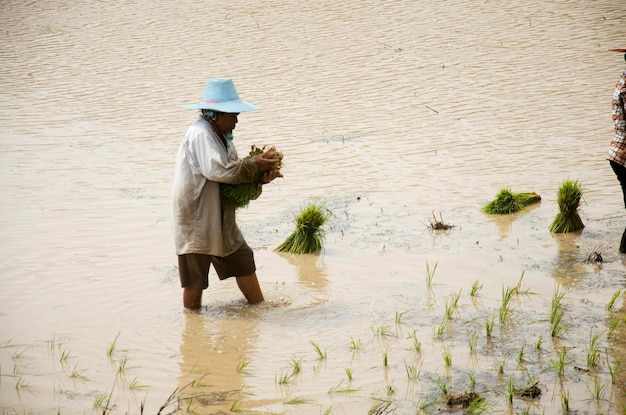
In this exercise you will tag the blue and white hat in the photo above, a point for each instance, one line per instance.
(220, 95)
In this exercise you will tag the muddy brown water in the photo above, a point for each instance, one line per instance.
(387, 112)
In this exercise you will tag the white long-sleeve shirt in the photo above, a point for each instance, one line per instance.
(202, 223)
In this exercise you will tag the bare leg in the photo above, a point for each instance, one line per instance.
(249, 286)
(192, 298)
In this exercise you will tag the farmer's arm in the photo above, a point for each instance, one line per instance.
(212, 163)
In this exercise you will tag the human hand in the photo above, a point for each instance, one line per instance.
(264, 164)
(270, 175)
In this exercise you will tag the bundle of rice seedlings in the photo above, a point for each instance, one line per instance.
(239, 195)
(309, 235)
(507, 202)
(568, 219)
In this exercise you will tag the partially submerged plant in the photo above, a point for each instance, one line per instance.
(568, 219)
(439, 225)
(309, 235)
(239, 195)
(507, 202)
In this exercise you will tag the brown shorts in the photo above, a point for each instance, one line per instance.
(194, 268)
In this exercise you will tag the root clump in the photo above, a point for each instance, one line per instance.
(464, 399)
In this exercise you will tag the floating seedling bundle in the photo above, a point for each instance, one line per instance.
(309, 235)
(507, 202)
(239, 195)
(568, 219)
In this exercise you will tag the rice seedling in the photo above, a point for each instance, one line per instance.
(559, 365)
(500, 366)
(78, 374)
(568, 219)
(348, 373)
(17, 355)
(321, 353)
(455, 299)
(556, 303)
(473, 342)
(52, 345)
(65, 356)
(21, 384)
(593, 354)
(355, 344)
(309, 235)
(612, 326)
(440, 329)
(505, 304)
(329, 410)
(507, 202)
(236, 405)
(134, 385)
(447, 357)
(417, 345)
(283, 378)
(412, 371)
(399, 317)
(538, 343)
(614, 367)
(520, 356)
(448, 310)
(441, 384)
(296, 366)
(610, 306)
(240, 195)
(101, 403)
(472, 380)
(510, 391)
(242, 365)
(489, 323)
(518, 287)
(597, 390)
(384, 330)
(297, 400)
(122, 365)
(112, 346)
(381, 407)
(556, 328)
(175, 396)
(385, 358)
(476, 287)
(340, 388)
(556, 314)
(565, 397)
(477, 407)
(430, 273)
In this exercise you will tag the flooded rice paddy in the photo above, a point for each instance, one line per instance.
(388, 113)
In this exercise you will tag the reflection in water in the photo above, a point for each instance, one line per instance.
(213, 353)
(504, 223)
(568, 266)
(311, 270)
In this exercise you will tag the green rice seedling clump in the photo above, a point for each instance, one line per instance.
(507, 202)
(239, 195)
(309, 234)
(568, 219)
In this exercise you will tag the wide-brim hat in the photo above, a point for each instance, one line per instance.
(220, 95)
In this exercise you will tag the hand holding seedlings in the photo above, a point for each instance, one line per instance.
(268, 162)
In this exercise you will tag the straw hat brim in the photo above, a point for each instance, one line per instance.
(236, 105)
